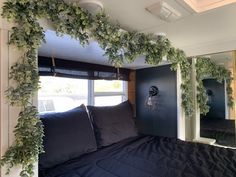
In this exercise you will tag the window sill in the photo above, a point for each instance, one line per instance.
(205, 140)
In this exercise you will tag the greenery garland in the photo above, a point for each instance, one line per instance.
(205, 67)
(120, 46)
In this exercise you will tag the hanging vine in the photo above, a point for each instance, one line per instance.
(120, 46)
(207, 68)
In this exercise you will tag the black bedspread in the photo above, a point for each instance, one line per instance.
(150, 156)
(220, 129)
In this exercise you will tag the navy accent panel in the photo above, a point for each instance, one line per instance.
(163, 120)
(217, 105)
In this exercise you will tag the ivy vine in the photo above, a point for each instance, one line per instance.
(67, 18)
(205, 67)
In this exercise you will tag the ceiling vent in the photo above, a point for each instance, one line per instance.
(164, 11)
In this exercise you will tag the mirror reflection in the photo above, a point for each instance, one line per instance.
(219, 122)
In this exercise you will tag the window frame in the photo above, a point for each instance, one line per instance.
(92, 94)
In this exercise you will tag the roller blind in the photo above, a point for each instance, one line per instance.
(74, 69)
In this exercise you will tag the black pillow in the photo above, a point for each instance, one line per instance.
(67, 135)
(112, 123)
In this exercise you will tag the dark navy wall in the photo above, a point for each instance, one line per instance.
(163, 121)
(217, 105)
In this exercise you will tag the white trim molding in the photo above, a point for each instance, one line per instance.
(181, 133)
(8, 114)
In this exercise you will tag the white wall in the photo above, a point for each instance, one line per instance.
(8, 114)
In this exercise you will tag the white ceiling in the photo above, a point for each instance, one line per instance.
(70, 49)
(196, 33)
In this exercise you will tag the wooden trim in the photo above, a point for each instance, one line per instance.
(233, 110)
(132, 89)
(234, 81)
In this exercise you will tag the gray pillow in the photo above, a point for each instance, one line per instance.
(67, 135)
(112, 123)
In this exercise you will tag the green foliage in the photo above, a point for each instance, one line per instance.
(207, 68)
(25, 75)
(28, 131)
(178, 57)
(69, 19)
(119, 46)
(28, 143)
(110, 39)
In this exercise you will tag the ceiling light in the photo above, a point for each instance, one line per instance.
(92, 6)
(164, 11)
(161, 34)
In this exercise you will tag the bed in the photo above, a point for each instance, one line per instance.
(117, 150)
(220, 129)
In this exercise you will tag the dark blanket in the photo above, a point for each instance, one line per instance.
(150, 156)
(218, 125)
(220, 129)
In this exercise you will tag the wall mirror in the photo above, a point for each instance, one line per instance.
(219, 123)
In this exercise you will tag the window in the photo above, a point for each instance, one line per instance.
(58, 94)
(109, 92)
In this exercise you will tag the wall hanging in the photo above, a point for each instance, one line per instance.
(152, 99)
(209, 96)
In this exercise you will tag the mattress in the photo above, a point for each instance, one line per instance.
(150, 156)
